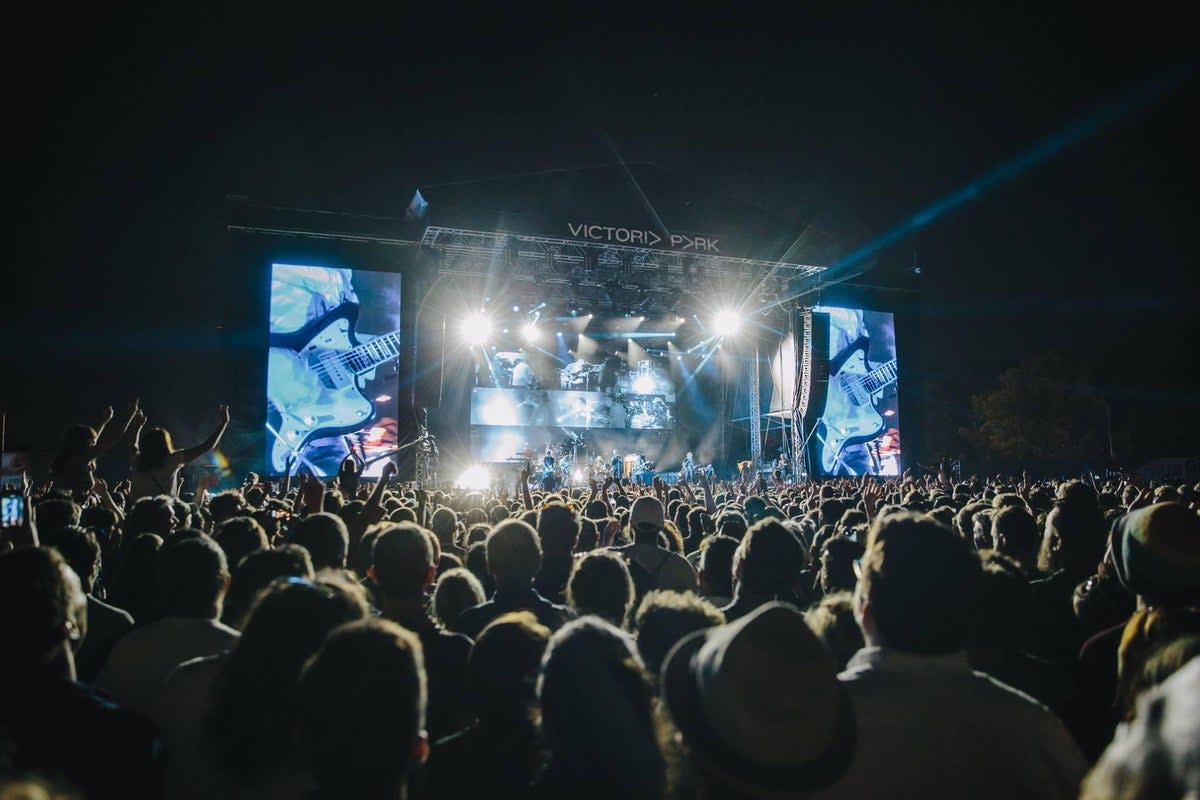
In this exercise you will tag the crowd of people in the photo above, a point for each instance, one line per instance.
(918, 637)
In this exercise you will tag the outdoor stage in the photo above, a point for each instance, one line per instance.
(501, 345)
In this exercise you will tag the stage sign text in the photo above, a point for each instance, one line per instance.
(644, 238)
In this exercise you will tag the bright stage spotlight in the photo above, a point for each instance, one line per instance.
(530, 332)
(476, 329)
(499, 410)
(474, 478)
(726, 323)
(643, 384)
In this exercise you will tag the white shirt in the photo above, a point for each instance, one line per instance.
(140, 662)
(668, 570)
(929, 726)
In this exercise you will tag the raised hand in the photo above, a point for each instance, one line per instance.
(222, 415)
(872, 492)
(389, 471)
(1137, 501)
(348, 476)
(1023, 486)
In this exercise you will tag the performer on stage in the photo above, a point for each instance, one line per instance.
(689, 467)
(574, 375)
(640, 469)
(550, 479)
(522, 375)
(618, 465)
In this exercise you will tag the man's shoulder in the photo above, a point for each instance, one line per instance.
(679, 562)
(200, 632)
(169, 634)
(112, 615)
(474, 612)
(471, 620)
(448, 642)
(135, 639)
(544, 602)
(1002, 694)
(199, 670)
(552, 614)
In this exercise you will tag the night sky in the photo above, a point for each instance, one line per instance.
(129, 128)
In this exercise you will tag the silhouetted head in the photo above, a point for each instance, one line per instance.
(154, 446)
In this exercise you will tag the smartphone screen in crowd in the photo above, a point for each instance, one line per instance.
(13, 510)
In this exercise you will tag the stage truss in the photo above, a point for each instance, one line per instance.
(621, 278)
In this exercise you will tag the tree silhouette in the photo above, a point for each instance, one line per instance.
(1042, 411)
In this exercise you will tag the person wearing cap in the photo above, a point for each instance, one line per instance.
(1155, 554)
(665, 569)
(759, 706)
(929, 726)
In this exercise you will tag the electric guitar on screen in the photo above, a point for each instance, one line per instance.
(851, 408)
(315, 380)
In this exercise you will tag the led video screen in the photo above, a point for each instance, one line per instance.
(858, 432)
(332, 368)
(611, 394)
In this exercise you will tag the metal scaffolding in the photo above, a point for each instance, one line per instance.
(597, 275)
(755, 412)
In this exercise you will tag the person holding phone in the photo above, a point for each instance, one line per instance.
(16, 517)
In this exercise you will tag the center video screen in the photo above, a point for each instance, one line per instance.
(858, 432)
(332, 368)
(622, 388)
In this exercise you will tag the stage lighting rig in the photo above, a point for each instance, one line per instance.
(476, 329)
(726, 323)
(474, 478)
